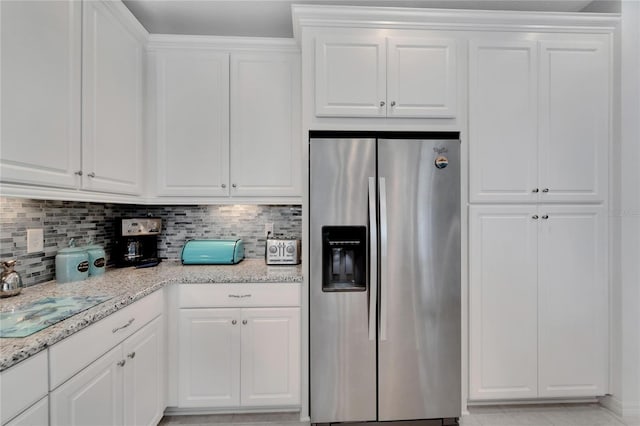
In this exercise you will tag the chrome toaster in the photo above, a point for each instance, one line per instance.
(282, 251)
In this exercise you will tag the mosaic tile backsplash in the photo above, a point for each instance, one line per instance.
(62, 220)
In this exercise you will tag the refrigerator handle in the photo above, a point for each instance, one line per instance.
(383, 259)
(373, 259)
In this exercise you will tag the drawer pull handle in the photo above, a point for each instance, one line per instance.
(122, 363)
(244, 322)
(124, 326)
(131, 355)
(239, 296)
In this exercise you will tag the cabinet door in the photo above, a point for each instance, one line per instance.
(265, 115)
(502, 121)
(351, 75)
(93, 396)
(192, 123)
(40, 45)
(36, 415)
(270, 356)
(573, 298)
(574, 121)
(144, 376)
(209, 358)
(111, 101)
(502, 302)
(421, 77)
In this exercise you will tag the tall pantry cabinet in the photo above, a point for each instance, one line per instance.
(539, 125)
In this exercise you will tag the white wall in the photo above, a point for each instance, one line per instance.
(625, 362)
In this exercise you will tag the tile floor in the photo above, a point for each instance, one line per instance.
(502, 415)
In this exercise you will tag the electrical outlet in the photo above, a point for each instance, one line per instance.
(35, 240)
(268, 228)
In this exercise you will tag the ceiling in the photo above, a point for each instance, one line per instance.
(272, 18)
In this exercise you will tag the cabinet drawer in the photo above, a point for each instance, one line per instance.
(72, 354)
(22, 385)
(238, 295)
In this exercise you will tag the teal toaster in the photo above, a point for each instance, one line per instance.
(212, 252)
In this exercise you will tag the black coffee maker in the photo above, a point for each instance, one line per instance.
(137, 241)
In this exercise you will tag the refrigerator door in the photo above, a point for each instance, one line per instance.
(342, 351)
(419, 339)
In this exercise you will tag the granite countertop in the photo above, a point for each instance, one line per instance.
(126, 285)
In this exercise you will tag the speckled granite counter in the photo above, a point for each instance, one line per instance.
(126, 286)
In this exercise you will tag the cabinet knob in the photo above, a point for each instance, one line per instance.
(78, 173)
(546, 216)
(234, 322)
(545, 190)
(92, 175)
(535, 190)
(393, 103)
(381, 103)
(233, 185)
(131, 355)
(224, 185)
(535, 216)
(244, 322)
(122, 363)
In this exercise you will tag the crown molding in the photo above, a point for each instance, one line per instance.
(126, 17)
(202, 42)
(447, 19)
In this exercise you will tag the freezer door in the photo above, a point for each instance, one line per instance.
(419, 347)
(342, 353)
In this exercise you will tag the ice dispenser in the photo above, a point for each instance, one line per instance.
(344, 258)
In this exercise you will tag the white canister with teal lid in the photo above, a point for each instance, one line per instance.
(72, 264)
(97, 259)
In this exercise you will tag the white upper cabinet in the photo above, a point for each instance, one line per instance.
(539, 119)
(351, 76)
(421, 77)
(574, 120)
(362, 74)
(41, 65)
(502, 120)
(225, 121)
(265, 143)
(51, 52)
(192, 123)
(111, 101)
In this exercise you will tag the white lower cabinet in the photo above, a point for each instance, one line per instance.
(238, 346)
(209, 354)
(123, 387)
(17, 401)
(270, 357)
(232, 357)
(538, 302)
(36, 415)
(93, 396)
(144, 375)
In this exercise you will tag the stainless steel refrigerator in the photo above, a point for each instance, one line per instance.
(384, 281)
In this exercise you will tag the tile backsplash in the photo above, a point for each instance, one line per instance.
(62, 220)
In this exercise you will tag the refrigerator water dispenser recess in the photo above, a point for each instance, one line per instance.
(344, 258)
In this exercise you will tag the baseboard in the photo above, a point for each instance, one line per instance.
(620, 408)
(589, 400)
(175, 411)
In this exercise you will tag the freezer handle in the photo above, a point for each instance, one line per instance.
(383, 259)
(373, 259)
